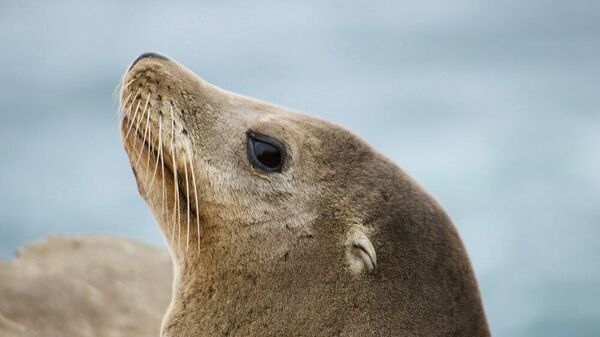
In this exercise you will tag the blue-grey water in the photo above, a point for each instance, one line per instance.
(494, 107)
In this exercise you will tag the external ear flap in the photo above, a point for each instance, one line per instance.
(359, 251)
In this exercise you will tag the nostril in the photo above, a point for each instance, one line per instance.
(148, 55)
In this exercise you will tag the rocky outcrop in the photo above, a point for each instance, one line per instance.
(84, 286)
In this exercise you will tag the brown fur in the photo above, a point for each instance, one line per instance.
(270, 256)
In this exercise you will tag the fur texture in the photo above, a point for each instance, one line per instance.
(285, 253)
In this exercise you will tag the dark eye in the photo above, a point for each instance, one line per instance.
(265, 153)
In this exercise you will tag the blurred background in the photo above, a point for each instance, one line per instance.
(493, 107)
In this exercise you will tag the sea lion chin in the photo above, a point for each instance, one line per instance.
(282, 224)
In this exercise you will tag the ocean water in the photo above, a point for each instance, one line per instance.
(493, 107)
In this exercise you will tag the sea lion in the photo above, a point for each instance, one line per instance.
(282, 224)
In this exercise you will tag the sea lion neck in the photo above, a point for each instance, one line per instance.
(235, 243)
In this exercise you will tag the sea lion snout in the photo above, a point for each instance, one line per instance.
(148, 55)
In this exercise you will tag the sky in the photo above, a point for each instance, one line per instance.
(493, 107)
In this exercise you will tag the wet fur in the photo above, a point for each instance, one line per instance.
(263, 254)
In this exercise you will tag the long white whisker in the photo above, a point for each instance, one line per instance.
(128, 83)
(139, 122)
(126, 109)
(187, 187)
(121, 86)
(162, 163)
(118, 88)
(149, 142)
(131, 123)
(157, 158)
(124, 105)
(195, 197)
(132, 96)
(147, 129)
(176, 211)
(146, 132)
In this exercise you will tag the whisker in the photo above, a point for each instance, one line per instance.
(150, 142)
(187, 188)
(128, 83)
(125, 108)
(121, 86)
(176, 210)
(143, 143)
(195, 197)
(162, 164)
(137, 125)
(146, 132)
(157, 158)
(132, 96)
(124, 102)
(137, 108)
(118, 89)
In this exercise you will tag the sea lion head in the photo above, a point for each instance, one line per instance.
(280, 223)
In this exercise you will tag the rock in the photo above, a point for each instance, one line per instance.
(85, 286)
